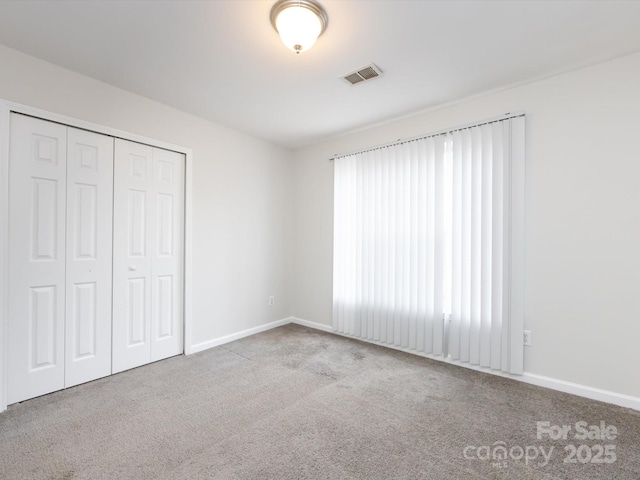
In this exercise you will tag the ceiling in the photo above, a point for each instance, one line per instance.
(221, 60)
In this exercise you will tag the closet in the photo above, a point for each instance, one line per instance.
(96, 256)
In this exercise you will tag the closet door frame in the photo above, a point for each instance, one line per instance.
(6, 108)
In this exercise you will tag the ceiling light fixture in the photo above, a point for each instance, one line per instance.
(299, 23)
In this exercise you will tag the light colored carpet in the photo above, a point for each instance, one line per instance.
(294, 403)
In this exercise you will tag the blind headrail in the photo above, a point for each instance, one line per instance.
(401, 141)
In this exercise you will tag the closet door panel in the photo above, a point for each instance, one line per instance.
(168, 255)
(37, 170)
(89, 256)
(133, 227)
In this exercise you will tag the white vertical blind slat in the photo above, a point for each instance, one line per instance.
(359, 217)
(386, 234)
(465, 315)
(398, 311)
(438, 281)
(421, 174)
(414, 293)
(377, 249)
(476, 245)
(405, 228)
(456, 247)
(485, 242)
(506, 239)
(369, 236)
(497, 244)
(430, 242)
(338, 270)
(391, 307)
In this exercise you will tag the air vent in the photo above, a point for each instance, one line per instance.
(354, 78)
(365, 73)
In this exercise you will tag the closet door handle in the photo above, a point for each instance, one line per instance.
(133, 268)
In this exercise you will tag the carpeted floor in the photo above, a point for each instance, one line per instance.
(295, 403)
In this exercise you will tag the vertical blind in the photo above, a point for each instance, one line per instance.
(428, 244)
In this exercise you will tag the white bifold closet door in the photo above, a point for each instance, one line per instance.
(148, 265)
(89, 256)
(60, 218)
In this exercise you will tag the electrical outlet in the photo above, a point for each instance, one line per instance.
(272, 301)
(526, 338)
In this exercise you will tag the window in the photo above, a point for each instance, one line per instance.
(428, 244)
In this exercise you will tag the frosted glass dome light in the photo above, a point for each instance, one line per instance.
(299, 23)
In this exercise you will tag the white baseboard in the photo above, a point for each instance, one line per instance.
(585, 391)
(199, 347)
(606, 396)
(315, 325)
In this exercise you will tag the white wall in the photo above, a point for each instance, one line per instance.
(241, 191)
(582, 224)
